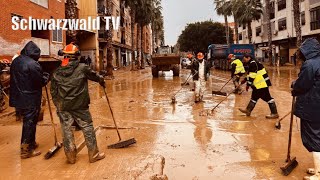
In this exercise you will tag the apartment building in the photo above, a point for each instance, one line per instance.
(12, 41)
(282, 27)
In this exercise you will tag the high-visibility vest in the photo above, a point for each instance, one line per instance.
(260, 78)
(239, 66)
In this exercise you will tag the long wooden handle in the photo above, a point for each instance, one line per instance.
(225, 84)
(51, 117)
(290, 130)
(115, 124)
(224, 99)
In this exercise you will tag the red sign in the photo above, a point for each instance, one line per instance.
(242, 51)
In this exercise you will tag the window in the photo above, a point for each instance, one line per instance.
(240, 36)
(43, 3)
(244, 26)
(281, 4)
(315, 18)
(57, 36)
(258, 31)
(272, 10)
(303, 18)
(282, 24)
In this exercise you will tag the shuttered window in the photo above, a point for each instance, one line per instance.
(43, 3)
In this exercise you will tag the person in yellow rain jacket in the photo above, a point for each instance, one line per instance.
(237, 70)
(259, 81)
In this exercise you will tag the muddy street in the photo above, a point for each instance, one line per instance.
(173, 140)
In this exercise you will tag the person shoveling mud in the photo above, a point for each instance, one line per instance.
(69, 90)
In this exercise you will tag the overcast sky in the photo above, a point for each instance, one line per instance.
(178, 13)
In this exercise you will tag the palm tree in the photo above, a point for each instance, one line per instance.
(143, 18)
(156, 22)
(236, 12)
(251, 10)
(297, 25)
(268, 11)
(223, 7)
(71, 13)
(109, 41)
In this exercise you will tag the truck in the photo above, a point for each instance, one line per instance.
(165, 60)
(218, 53)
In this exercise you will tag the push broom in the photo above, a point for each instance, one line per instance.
(220, 91)
(57, 145)
(291, 163)
(121, 143)
(173, 98)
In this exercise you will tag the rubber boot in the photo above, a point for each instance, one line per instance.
(249, 108)
(197, 99)
(71, 156)
(95, 156)
(28, 152)
(316, 161)
(273, 109)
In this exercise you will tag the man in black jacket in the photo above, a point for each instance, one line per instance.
(259, 81)
(307, 91)
(26, 82)
(200, 70)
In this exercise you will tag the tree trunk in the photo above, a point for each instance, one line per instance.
(139, 45)
(143, 47)
(236, 30)
(153, 38)
(109, 42)
(133, 57)
(71, 13)
(249, 32)
(297, 25)
(268, 11)
(227, 30)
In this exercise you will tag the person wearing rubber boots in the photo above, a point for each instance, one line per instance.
(237, 70)
(306, 89)
(26, 82)
(70, 94)
(200, 71)
(259, 81)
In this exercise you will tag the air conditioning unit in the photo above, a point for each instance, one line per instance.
(275, 32)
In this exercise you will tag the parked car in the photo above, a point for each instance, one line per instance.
(185, 63)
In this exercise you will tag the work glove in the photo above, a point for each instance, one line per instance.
(46, 77)
(102, 82)
(247, 88)
(292, 84)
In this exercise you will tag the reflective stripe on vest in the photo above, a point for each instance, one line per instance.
(239, 66)
(259, 81)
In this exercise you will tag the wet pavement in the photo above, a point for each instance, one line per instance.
(172, 140)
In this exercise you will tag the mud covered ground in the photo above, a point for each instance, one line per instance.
(173, 141)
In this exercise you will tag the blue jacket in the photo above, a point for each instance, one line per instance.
(27, 78)
(307, 86)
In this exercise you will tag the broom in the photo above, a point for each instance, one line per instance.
(120, 144)
(57, 145)
(291, 163)
(278, 123)
(219, 92)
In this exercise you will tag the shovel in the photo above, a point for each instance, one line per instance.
(291, 163)
(219, 92)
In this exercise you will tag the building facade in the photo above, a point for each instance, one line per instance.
(12, 41)
(283, 30)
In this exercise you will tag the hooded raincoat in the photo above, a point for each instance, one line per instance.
(307, 90)
(27, 78)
